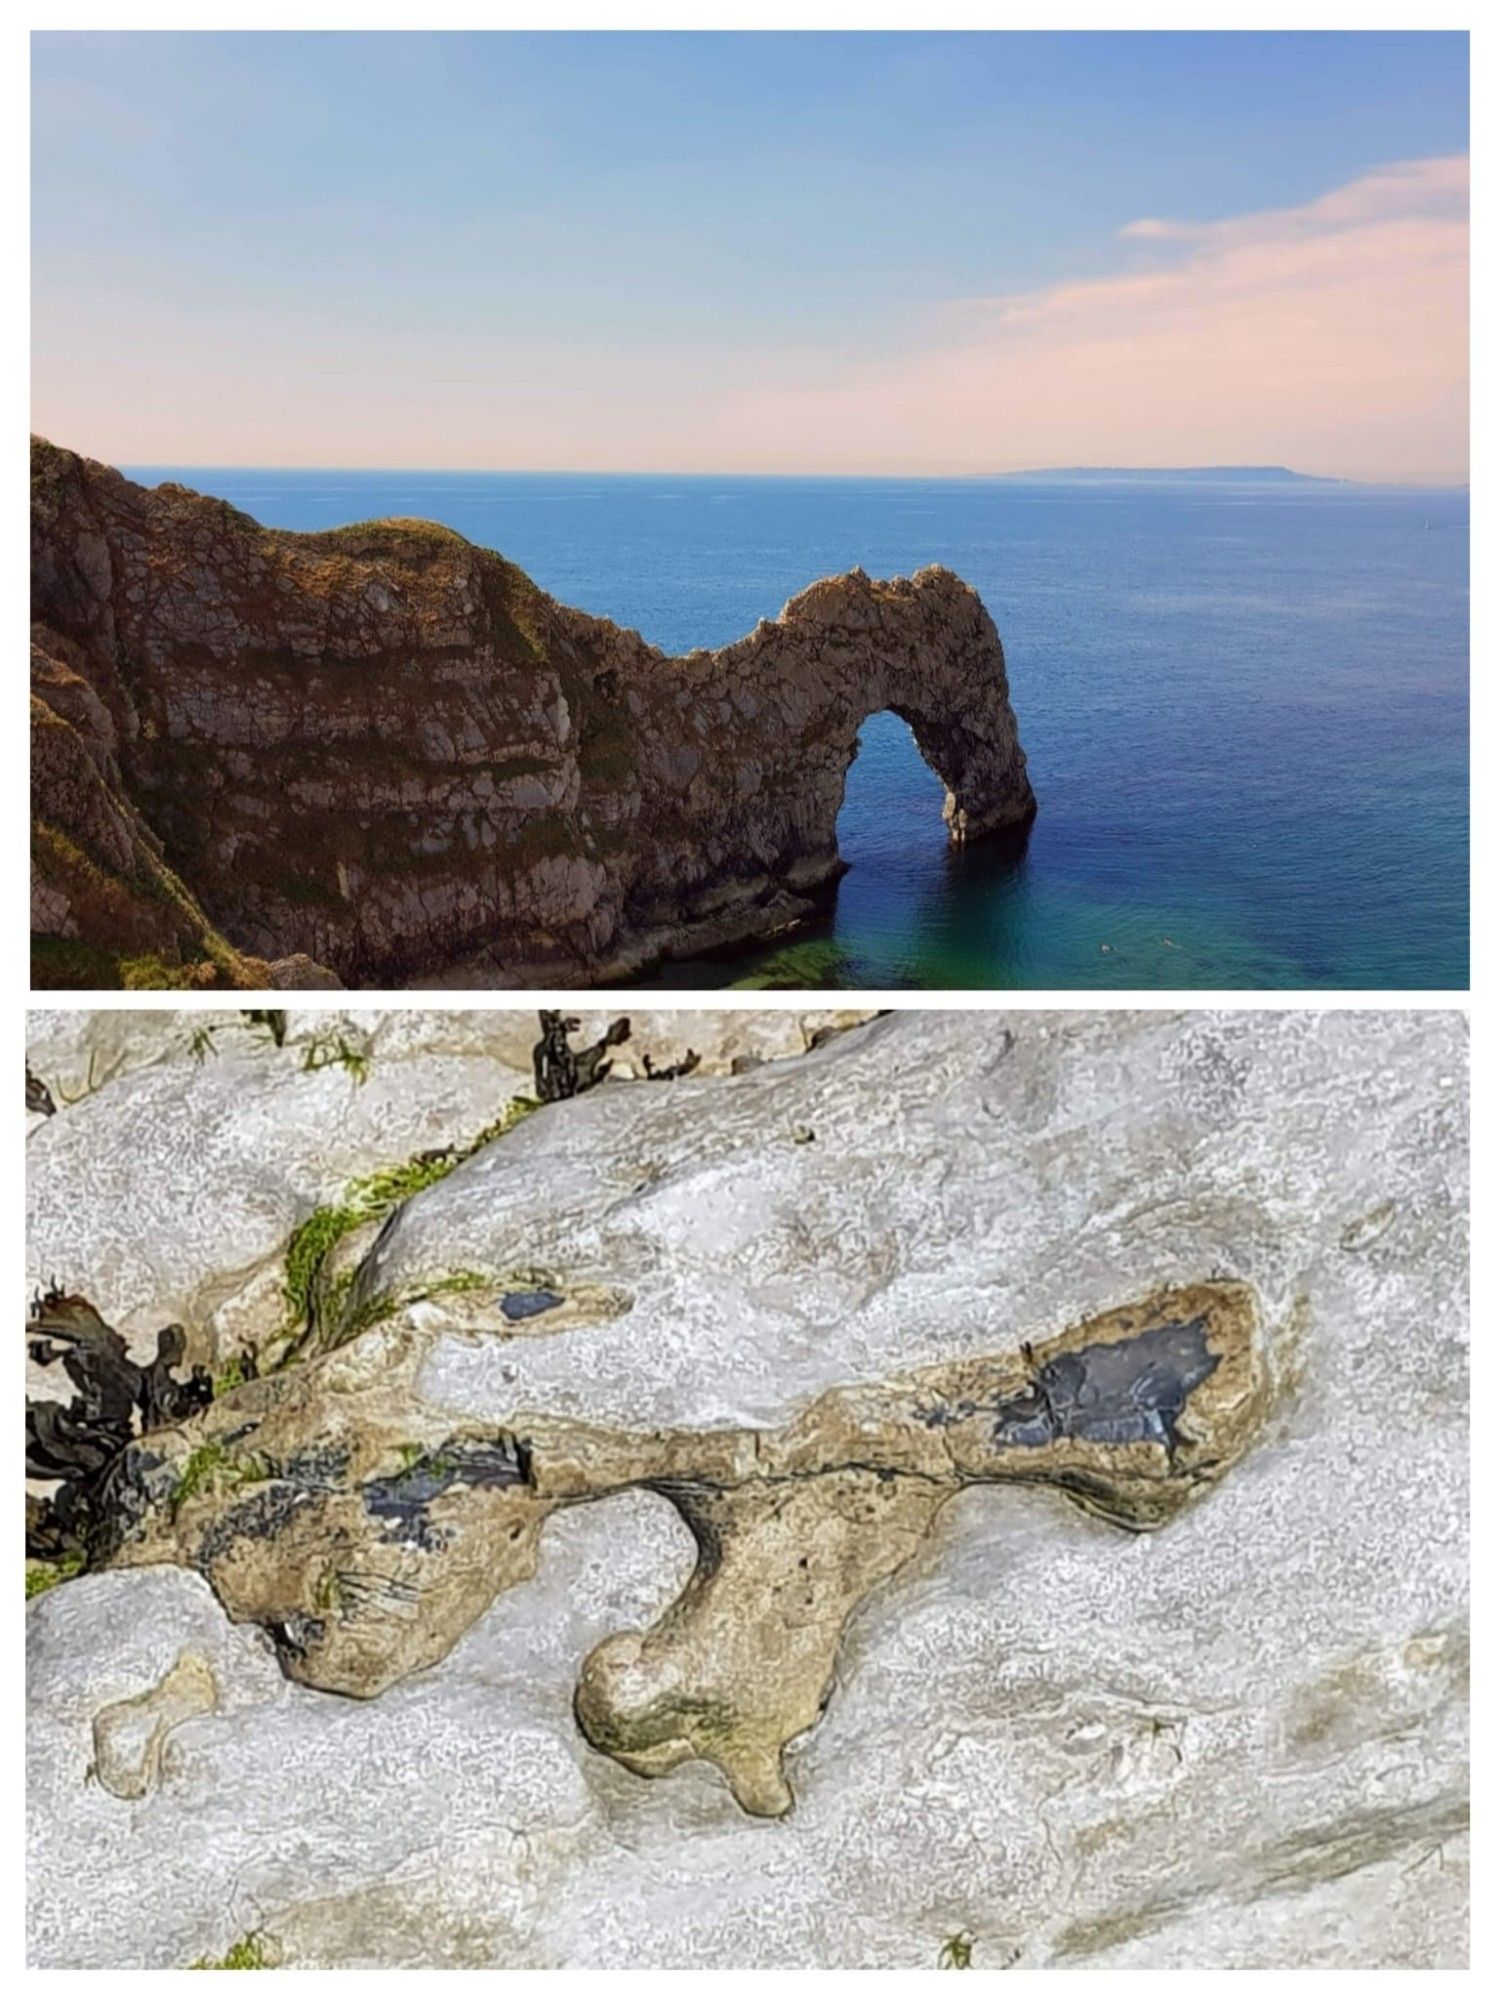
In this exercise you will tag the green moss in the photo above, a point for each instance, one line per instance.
(58, 857)
(358, 535)
(42, 1576)
(331, 1050)
(246, 1954)
(148, 971)
(540, 837)
(317, 1301)
(328, 1592)
(957, 1953)
(231, 1376)
(201, 1465)
(387, 1187)
(456, 1281)
(308, 1251)
(212, 1465)
(370, 1312)
(385, 1304)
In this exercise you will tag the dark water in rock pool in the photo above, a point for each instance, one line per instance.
(1245, 708)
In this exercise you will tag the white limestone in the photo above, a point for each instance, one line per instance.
(1240, 1740)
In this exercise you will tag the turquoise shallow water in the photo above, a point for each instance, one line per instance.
(1245, 708)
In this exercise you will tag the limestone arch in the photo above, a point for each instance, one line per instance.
(976, 774)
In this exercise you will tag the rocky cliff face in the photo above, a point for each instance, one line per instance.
(386, 749)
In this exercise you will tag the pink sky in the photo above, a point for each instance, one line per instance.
(1331, 337)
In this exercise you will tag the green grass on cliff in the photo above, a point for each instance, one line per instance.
(355, 535)
(165, 940)
(58, 964)
(607, 749)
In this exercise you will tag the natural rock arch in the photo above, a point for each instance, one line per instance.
(386, 749)
(943, 767)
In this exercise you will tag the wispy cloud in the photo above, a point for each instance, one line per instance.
(1332, 336)
(1438, 188)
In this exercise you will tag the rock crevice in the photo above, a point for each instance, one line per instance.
(386, 750)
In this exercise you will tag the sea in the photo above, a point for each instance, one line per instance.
(1244, 701)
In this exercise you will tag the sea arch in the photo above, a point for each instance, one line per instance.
(389, 751)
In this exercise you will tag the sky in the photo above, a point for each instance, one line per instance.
(942, 254)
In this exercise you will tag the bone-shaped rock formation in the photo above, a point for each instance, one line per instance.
(130, 1736)
(366, 1530)
(385, 750)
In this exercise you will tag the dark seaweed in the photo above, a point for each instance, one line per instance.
(114, 1400)
(295, 1638)
(271, 1018)
(1114, 1392)
(672, 1070)
(562, 1071)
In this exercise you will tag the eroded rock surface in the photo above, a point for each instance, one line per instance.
(188, 1147)
(330, 1505)
(131, 1736)
(1238, 1739)
(386, 749)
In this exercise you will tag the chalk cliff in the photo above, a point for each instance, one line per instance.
(387, 750)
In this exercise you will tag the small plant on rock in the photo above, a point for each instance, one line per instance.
(957, 1953)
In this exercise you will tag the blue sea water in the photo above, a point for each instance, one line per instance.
(1244, 705)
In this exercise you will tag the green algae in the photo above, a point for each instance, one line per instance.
(318, 1308)
(334, 1051)
(43, 1576)
(212, 1464)
(246, 1954)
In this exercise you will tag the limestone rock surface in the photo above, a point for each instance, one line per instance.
(1237, 1740)
(388, 750)
(187, 1147)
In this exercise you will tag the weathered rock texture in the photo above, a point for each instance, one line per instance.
(386, 750)
(366, 1533)
(188, 1147)
(801, 1302)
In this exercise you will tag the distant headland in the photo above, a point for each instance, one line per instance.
(1180, 475)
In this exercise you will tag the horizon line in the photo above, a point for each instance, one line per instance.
(1098, 473)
